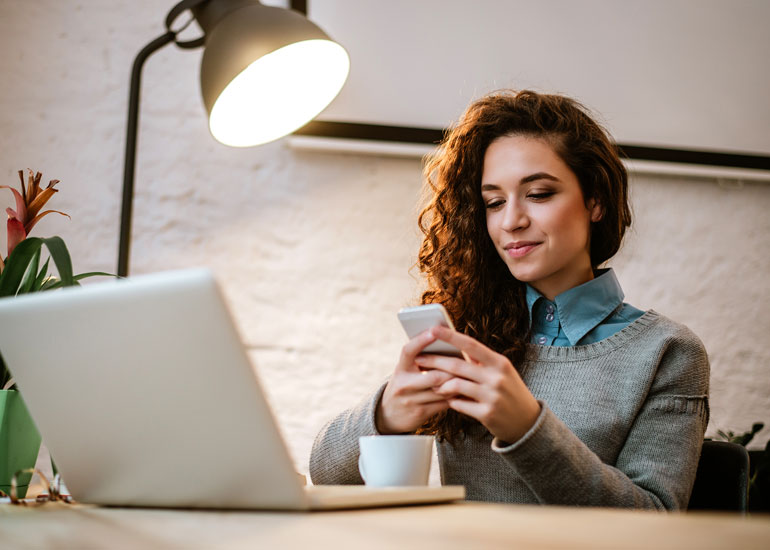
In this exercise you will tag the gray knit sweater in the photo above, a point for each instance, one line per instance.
(622, 424)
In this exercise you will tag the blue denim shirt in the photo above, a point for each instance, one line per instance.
(582, 315)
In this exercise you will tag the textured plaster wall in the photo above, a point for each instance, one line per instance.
(314, 250)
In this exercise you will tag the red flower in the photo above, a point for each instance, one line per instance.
(28, 205)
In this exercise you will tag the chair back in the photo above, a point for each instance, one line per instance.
(722, 481)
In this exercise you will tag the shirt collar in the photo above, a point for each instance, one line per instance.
(584, 307)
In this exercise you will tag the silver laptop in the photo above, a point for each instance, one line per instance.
(145, 396)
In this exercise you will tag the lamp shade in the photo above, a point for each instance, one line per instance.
(266, 72)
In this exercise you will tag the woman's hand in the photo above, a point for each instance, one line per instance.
(486, 388)
(409, 400)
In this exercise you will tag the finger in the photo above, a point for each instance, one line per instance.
(412, 349)
(459, 387)
(408, 383)
(431, 378)
(424, 397)
(475, 349)
(451, 365)
(466, 406)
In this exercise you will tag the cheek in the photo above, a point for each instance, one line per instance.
(571, 223)
(491, 226)
(578, 224)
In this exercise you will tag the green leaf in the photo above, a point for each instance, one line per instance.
(746, 438)
(16, 265)
(28, 282)
(54, 283)
(21, 268)
(51, 283)
(92, 274)
(41, 277)
(61, 258)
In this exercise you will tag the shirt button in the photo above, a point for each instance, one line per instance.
(542, 340)
(549, 308)
(549, 317)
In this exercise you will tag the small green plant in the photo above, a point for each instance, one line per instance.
(741, 439)
(20, 271)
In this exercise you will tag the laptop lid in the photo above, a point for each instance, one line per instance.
(145, 396)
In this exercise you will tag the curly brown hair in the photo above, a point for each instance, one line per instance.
(463, 270)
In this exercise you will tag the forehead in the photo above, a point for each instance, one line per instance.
(519, 156)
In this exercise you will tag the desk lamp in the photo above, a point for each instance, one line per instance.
(265, 72)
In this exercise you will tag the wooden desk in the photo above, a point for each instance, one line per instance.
(466, 526)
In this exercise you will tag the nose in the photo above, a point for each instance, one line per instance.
(514, 216)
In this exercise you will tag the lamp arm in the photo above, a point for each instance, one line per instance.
(133, 123)
(130, 158)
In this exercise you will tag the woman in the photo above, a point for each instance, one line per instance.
(570, 396)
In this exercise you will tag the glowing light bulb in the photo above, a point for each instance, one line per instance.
(279, 92)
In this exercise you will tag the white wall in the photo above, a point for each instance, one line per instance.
(695, 65)
(314, 249)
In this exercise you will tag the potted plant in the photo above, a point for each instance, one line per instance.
(21, 272)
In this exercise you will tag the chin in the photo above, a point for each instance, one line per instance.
(523, 276)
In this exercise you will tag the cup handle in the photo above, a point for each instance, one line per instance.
(361, 469)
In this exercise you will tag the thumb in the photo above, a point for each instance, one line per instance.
(412, 349)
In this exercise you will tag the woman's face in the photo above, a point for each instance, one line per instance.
(537, 217)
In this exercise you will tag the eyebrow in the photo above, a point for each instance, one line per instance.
(528, 179)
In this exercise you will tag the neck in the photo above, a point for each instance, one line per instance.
(555, 285)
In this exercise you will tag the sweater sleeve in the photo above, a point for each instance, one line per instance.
(657, 463)
(334, 456)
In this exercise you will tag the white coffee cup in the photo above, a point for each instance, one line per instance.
(395, 460)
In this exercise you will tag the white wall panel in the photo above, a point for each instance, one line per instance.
(688, 74)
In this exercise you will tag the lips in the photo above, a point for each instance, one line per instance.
(520, 248)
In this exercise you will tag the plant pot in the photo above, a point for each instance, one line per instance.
(19, 441)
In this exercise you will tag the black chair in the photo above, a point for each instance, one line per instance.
(722, 481)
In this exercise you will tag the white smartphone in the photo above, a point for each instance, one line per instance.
(420, 318)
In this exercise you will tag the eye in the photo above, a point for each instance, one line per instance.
(494, 204)
(539, 196)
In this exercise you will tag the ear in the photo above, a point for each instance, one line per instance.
(596, 209)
